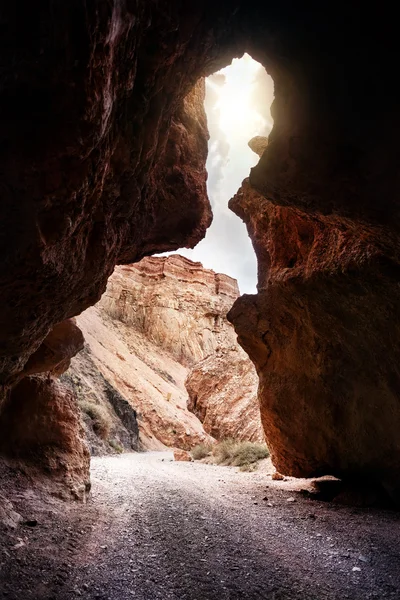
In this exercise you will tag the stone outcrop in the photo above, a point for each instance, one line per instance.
(55, 352)
(222, 393)
(175, 303)
(156, 319)
(40, 428)
(103, 163)
(258, 144)
(319, 339)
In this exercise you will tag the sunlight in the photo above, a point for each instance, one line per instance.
(236, 89)
(237, 103)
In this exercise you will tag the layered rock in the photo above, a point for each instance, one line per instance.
(318, 333)
(150, 380)
(223, 395)
(102, 164)
(175, 303)
(156, 319)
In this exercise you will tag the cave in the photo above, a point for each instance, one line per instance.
(103, 152)
(97, 129)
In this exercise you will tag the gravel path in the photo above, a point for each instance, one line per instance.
(158, 529)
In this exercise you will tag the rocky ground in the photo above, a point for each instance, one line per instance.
(155, 528)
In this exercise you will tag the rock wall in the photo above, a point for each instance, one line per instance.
(222, 393)
(156, 319)
(103, 163)
(318, 333)
(41, 433)
(176, 303)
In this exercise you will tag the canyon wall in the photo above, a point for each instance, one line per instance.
(159, 322)
(103, 147)
(222, 393)
(321, 341)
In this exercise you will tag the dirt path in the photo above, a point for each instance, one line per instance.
(157, 529)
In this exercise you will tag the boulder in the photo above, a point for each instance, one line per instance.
(182, 455)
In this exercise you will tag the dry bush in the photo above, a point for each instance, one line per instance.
(239, 454)
(101, 420)
(116, 446)
(200, 451)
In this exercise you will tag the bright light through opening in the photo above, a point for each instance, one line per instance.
(238, 101)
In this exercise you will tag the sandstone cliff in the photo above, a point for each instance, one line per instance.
(223, 394)
(103, 149)
(309, 331)
(157, 319)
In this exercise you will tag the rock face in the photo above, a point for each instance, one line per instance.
(176, 303)
(258, 144)
(103, 151)
(156, 319)
(223, 395)
(40, 427)
(318, 337)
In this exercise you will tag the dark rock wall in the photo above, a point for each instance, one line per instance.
(100, 164)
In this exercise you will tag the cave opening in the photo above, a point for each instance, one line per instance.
(162, 367)
(238, 107)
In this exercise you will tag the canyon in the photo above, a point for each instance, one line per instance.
(159, 332)
(103, 147)
(103, 150)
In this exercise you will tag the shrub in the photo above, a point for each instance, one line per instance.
(239, 454)
(101, 420)
(222, 451)
(200, 451)
(249, 467)
(116, 446)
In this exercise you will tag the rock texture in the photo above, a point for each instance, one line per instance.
(109, 420)
(176, 303)
(157, 319)
(102, 162)
(258, 144)
(223, 395)
(317, 332)
(40, 428)
(115, 164)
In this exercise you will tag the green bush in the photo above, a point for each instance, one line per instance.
(101, 420)
(200, 451)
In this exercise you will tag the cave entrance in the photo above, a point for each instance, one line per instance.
(238, 101)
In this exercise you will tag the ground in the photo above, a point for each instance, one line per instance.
(159, 529)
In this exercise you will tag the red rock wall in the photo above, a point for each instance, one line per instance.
(92, 112)
(322, 334)
(222, 393)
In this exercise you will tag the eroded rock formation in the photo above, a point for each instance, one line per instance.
(223, 395)
(40, 428)
(103, 163)
(157, 319)
(176, 303)
(317, 332)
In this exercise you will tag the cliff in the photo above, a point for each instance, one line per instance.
(158, 320)
(103, 150)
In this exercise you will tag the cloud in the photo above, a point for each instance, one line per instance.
(237, 103)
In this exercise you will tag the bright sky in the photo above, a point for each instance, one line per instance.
(238, 101)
